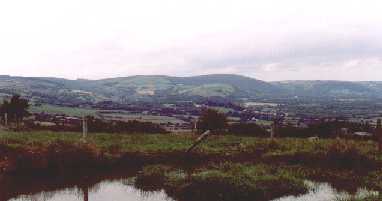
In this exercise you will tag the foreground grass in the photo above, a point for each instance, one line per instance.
(345, 163)
(227, 145)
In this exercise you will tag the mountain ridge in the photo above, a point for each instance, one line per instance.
(163, 87)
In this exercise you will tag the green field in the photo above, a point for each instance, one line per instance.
(70, 111)
(143, 118)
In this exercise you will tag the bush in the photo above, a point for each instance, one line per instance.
(152, 177)
(346, 155)
(240, 183)
(222, 182)
(247, 129)
(212, 120)
(374, 180)
(62, 154)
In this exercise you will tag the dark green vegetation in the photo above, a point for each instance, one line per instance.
(325, 130)
(224, 167)
(98, 125)
(15, 109)
(226, 181)
(166, 88)
(211, 120)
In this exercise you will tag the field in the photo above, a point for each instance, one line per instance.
(111, 115)
(70, 111)
(142, 118)
(230, 163)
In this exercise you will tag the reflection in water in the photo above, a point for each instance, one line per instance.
(325, 192)
(117, 190)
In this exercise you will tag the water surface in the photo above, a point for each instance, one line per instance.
(118, 188)
(325, 192)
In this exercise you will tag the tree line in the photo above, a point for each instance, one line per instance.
(14, 110)
(217, 123)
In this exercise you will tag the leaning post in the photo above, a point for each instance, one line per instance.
(200, 139)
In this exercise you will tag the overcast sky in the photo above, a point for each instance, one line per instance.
(267, 39)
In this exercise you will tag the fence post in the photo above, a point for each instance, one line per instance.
(273, 129)
(6, 119)
(378, 133)
(84, 127)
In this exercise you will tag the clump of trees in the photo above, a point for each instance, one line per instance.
(247, 129)
(14, 110)
(211, 120)
(98, 125)
(323, 130)
(216, 122)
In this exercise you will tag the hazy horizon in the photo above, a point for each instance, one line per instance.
(192, 76)
(267, 40)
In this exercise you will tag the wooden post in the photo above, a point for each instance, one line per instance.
(199, 140)
(380, 140)
(273, 129)
(378, 133)
(84, 127)
(85, 191)
(6, 119)
(86, 194)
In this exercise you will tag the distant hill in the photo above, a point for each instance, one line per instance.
(157, 88)
(333, 89)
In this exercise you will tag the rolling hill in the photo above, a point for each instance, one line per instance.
(155, 88)
(331, 89)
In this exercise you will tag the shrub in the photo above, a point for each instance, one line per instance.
(240, 184)
(346, 155)
(247, 129)
(233, 182)
(152, 177)
(374, 180)
(66, 155)
(211, 120)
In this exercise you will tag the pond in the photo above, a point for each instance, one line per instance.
(319, 191)
(121, 188)
(118, 190)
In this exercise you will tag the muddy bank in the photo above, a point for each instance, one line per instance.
(61, 157)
